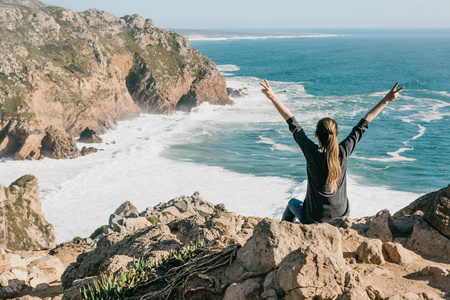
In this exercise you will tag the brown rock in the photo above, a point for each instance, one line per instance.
(31, 148)
(88, 150)
(250, 289)
(371, 252)
(397, 254)
(26, 227)
(58, 144)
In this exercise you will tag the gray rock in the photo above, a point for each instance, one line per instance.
(380, 226)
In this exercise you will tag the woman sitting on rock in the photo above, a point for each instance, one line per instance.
(326, 164)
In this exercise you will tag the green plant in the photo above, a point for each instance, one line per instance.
(152, 219)
(202, 213)
(119, 286)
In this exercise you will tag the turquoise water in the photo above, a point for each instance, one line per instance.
(406, 147)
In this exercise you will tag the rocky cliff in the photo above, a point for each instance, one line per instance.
(77, 70)
(22, 223)
(188, 248)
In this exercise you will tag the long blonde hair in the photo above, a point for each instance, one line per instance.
(327, 133)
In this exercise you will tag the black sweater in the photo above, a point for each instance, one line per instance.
(320, 204)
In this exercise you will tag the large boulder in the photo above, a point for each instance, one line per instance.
(435, 207)
(428, 242)
(23, 223)
(295, 261)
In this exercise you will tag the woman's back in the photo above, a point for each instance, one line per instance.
(321, 204)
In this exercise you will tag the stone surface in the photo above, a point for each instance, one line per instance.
(89, 136)
(58, 144)
(435, 207)
(371, 251)
(26, 227)
(428, 242)
(397, 254)
(380, 226)
(88, 150)
(250, 289)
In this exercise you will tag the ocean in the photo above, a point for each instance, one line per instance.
(244, 155)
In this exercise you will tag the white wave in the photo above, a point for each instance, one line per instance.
(228, 68)
(199, 37)
(394, 156)
(276, 146)
(421, 132)
(442, 93)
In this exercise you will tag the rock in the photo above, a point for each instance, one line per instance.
(58, 144)
(434, 271)
(39, 279)
(89, 136)
(371, 252)
(115, 264)
(429, 242)
(73, 293)
(380, 226)
(31, 148)
(9, 284)
(248, 290)
(435, 207)
(88, 150)
(10, 261)
(404, 226)
(413, 296)
(26, 227)
(437, 276)
(126, 209)
(178, 208)
(437, 213)
(236, 93)
(150, 243)
(397, 254)
(51, 265)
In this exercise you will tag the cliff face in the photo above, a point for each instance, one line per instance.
(77, 70)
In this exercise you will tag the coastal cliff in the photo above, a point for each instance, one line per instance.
(83, 70)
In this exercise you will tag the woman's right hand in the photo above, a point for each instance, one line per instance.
(267, 90)
(393, 94)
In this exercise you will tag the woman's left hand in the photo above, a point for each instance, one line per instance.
(267, 90)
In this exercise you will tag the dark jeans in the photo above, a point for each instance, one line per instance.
(293, 210)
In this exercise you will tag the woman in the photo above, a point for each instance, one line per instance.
(326, 164)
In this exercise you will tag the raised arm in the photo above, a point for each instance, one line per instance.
(283, 110)
(391, 96)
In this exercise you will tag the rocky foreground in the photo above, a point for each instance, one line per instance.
(190, 248)
(62, 72)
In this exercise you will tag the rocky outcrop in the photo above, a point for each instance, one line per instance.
(269, 259)
(23, 226)
(58, 144)
(35, 270)
(77, 70)
(89, 136)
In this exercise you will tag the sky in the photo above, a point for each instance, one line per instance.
(259, 14)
